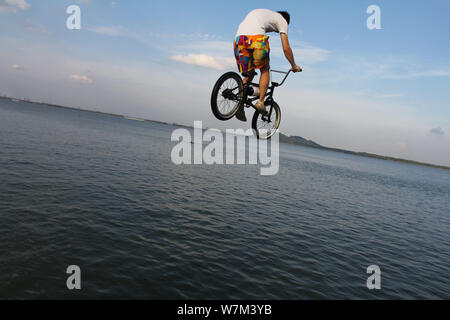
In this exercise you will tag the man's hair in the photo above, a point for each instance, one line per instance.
(285, 15)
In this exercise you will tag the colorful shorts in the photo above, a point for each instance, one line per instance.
(251, 52)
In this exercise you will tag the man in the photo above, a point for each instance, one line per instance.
(251, 48)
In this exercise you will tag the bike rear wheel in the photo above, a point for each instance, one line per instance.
(226, 97)
(265, 126)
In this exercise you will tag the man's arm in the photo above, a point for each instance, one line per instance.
(288, 52)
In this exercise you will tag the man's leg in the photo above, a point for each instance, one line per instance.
(264, 82)
(240, 115)
(248, 79)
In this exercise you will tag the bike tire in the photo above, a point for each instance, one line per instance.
(277, 120)
(215, 96)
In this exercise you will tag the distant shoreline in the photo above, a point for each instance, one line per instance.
(361, 154)
(292, 140)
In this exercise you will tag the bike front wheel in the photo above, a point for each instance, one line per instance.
(226, 97)
(265, 126)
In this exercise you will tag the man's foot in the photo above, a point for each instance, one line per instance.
(260, 107)
(240, 115)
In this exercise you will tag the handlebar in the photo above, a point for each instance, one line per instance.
(284, 79)
(284, 72)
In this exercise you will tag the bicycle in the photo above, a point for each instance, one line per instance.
(230, 92)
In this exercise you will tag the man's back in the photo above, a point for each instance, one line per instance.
(252, 50)
(261, 21)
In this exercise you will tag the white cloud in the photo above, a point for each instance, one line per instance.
(13, 5)
(308, 54)
(81, 78)
(389, 95)
(358, 69)
(35, 27)
(113, 31)
(421, 74)
(16, 67)
(204, 60)
(304, 53)
(433, 73)
(209, 46)
(210, 54)
(437, 131)
(180, 36)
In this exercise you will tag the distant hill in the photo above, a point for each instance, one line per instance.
(299, 141)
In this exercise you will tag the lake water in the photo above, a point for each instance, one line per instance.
(101, 192)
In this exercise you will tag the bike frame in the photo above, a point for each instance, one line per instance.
(269, 94)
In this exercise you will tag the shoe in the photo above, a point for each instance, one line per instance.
(240, 115)
(260, 107)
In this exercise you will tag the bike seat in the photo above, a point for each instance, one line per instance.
(249, 74)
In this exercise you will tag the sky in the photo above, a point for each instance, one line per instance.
(383, 91)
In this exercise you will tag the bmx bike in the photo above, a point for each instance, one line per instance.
(230, 93)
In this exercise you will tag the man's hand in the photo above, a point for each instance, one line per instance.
(296, 69)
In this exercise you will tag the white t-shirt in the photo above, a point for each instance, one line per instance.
(261, 21)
